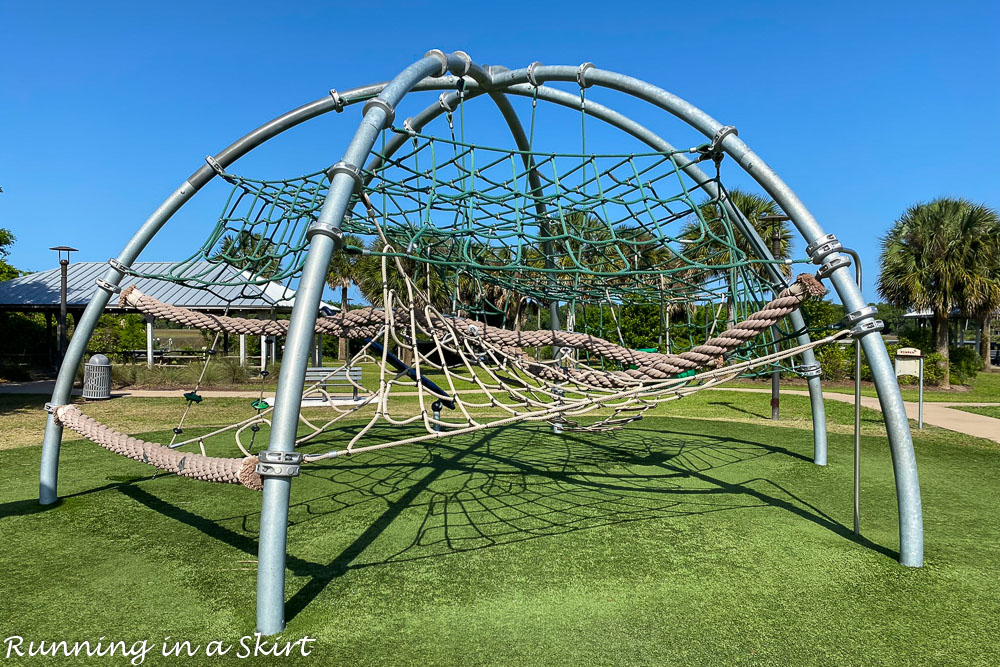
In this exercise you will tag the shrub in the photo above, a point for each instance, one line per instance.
(965, 364)
(836, 361)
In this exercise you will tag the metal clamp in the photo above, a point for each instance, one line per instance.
(351, 170)
(862, 321)
(408, 127)
(326, 229)
(714, 150)
(809, 370)
(443, 102)
(823, 246)
(279, 464)
(466, 63)
(108, 287)
(51, 409)
(214, 164)
(338, 101)
(581, 75)
(866, 327)
(439, 54)
(832, 265)
(531, 74)
(390, 113)
(119, 267)
(865, 313)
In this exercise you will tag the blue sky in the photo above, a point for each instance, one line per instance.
(863, 108)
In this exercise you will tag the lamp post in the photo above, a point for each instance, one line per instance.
(63, 268)
(776, 252)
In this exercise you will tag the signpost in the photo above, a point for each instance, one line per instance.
(910, 361)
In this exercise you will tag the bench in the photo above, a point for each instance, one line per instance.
(328, 377)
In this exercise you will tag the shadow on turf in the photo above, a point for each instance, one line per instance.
(515, 484)
(31, 505)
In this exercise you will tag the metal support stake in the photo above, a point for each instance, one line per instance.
(920, 404)
(775, 331)
(857, 404)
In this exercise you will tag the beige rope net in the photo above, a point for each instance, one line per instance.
(495, 381)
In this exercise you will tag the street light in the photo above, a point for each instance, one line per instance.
(777, 219)
(64, 267)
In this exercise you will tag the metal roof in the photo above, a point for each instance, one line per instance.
(40, 291)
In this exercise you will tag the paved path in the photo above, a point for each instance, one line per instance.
(939, 414)
(936, 413)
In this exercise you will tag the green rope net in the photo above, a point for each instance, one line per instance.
(492, 232)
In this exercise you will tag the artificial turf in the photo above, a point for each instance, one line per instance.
(676, 541)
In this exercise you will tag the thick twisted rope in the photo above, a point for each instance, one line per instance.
(367, 322)
(187, 464)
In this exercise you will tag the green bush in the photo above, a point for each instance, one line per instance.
(836, 361)
(965, 363)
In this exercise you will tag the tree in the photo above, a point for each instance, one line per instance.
(249, 251)
(717, 244)
(940, 256)
(7, 272)
(343, 272)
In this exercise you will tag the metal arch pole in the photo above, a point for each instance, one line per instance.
(647, 136)
(324, 236)
(893, 411)
(62, 392)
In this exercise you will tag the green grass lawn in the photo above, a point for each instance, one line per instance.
(985, 388)
(988, 410)
(701, 535)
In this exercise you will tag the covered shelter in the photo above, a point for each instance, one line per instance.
(39, 292)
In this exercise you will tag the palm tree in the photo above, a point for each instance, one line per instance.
(940, 256)
(718, 245)
(343, 273)
(249, 251)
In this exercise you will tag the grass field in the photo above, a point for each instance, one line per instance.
(988, 410)
(702, 535)
(985, 388)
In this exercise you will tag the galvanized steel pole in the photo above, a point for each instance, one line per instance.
(324, 237)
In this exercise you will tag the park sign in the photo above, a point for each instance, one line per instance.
(910, 361)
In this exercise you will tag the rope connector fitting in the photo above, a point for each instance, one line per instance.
(581, 74)
(338, 101)
(119, 267)
(714, 149)
(439, 54)
(443, 101)
(408, 127)
(819, 249)
(214, 164)
(831, 265)
(809, 370)
(862, 321)
(531, 74)
(375, 102)
(51, 409)
(108, 287)
(279, 464)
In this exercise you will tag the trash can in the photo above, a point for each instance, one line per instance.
(97, 378)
